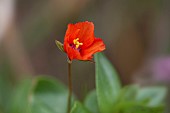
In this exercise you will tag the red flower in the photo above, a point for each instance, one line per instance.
(80, 42)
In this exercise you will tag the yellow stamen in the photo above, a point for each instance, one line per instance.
(77, 43)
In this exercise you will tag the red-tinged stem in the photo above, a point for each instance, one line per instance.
(70, 87)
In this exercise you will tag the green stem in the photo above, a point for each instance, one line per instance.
(70, 87)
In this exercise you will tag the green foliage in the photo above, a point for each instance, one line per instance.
(128, 93)
(130, 99)
(153, 95)
(142, 109)
(91, 102)
(21, 97)
(46, 95)
(79, 108)
(107, 84)
(110, 97)
(41, 95)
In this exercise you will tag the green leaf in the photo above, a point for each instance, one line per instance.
(91, 102)
(126, 98)
(128, 93)
(107, 83)
(21, 97)
(59, 45)
(143, 109)
(154, 95)
(79, 108)
(48, 96)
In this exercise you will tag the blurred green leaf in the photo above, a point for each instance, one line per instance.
(128, 93)
(107, 83)
(21, 97)
(126, 98)
(143, 109)
(48, 96)
(153, 95)
(79, 108)
(91, 102)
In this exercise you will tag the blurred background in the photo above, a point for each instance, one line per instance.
(136, 34)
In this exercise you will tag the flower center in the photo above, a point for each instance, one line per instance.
(77, 43)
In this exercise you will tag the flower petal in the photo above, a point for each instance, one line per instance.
(97, 46)
(71, 52)
(71, 33)
(86, 33)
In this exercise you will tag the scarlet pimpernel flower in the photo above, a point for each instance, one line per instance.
(80, 42)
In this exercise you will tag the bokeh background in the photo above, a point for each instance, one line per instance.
(136, 34)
